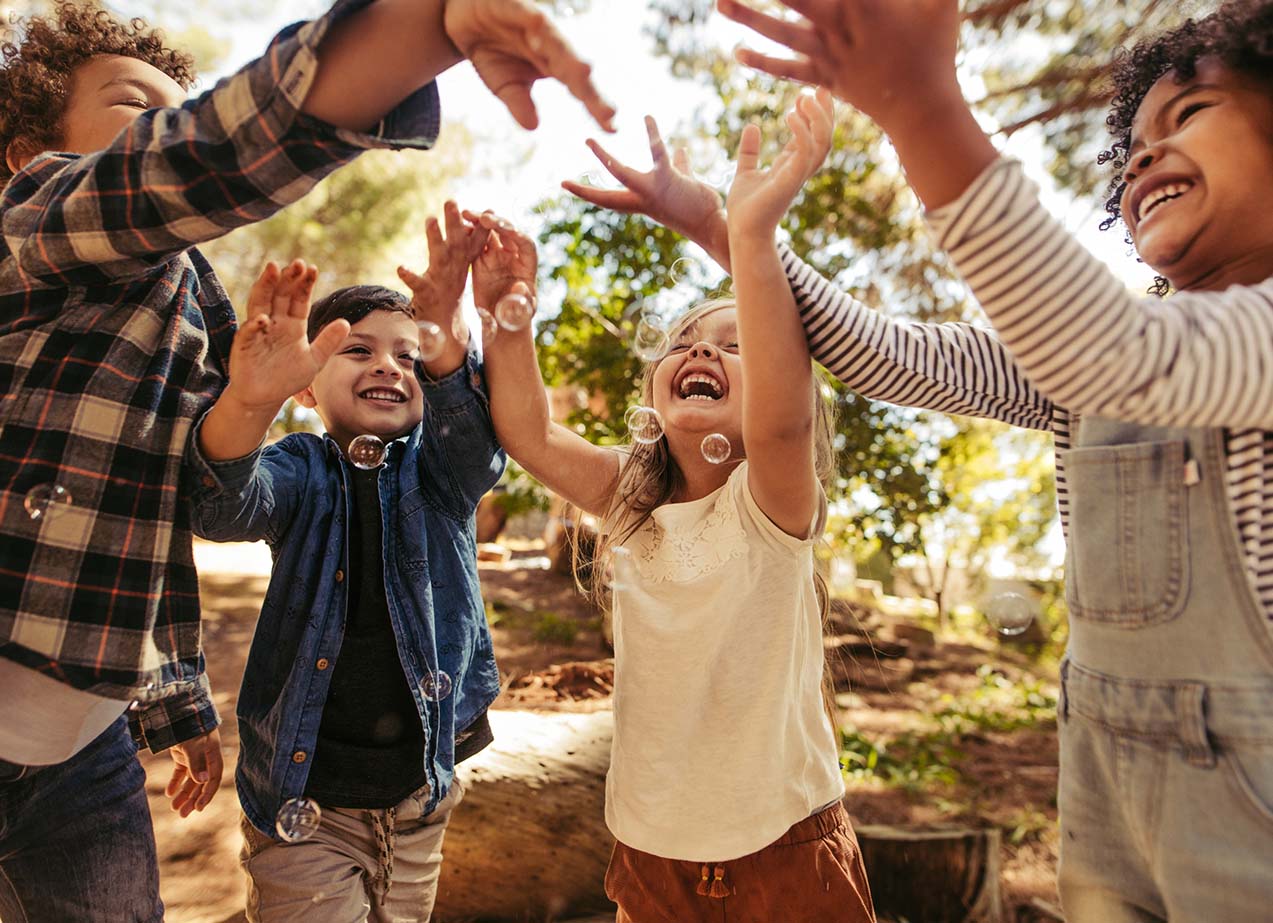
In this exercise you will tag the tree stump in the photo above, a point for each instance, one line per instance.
(933, 874)
(529, 840)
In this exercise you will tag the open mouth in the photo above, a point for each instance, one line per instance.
(382, 396)
(700, 386)
(1156, 198)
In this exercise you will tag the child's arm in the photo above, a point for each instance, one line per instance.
(1198, 358)
(375, 58)
(563, 461)
(778, 392)
(239, 498)
(436, 295)
(951, 368)
(668, 193)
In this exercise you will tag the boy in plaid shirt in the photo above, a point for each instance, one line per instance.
(113, 338)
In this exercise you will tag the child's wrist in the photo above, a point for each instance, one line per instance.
(232, 403)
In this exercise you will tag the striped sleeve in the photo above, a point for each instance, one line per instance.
(951, 368)
(1197, 358)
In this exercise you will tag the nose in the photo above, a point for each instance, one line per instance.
(1139, 164)
(387, 366)
(702, 350)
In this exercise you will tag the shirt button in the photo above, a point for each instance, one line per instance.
(299, 756)
(322, 664)
(340, 576)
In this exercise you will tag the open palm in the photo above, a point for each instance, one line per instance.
(272, 357)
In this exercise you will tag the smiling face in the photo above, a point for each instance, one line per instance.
(369, 385)
(1199, 168)
(698, 385)
(107, 93)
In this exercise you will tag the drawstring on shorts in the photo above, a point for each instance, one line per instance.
(382, 827)
(712, 883)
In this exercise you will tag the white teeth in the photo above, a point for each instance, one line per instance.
(696, 378)
(1160, 195)
(378, 394)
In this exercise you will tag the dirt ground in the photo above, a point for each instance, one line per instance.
(548, 642)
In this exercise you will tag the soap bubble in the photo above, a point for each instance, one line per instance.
(514, 311)
(366, 452)
(1010, 613)
(436, 686)
(650, 341)
(490, 326)
(645, 424)
(432, 340)
(45, 499)
(298, 819)
(716, 448)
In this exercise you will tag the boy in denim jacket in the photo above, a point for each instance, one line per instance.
(372, 666)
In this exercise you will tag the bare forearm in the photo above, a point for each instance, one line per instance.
(372, 60)
(563, 461)
(940, 145)
(232, 429)
(772, 345)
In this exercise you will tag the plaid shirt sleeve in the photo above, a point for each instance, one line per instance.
(183, 713)
(177, 177)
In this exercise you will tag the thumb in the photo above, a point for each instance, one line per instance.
(748, 149)
(328, 340)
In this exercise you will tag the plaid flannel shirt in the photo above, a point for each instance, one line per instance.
(114, 337)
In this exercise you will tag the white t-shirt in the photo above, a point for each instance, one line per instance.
(44, 721)
(721, 742)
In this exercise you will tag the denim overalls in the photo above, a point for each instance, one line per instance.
(1166, 712)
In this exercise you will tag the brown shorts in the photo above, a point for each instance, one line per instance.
(812, 874)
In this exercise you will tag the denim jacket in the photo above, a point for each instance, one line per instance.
(295, 495)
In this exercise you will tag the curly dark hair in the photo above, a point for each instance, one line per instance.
(1239, 34)
(40, 55)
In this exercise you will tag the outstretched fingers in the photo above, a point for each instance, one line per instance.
(800, 35)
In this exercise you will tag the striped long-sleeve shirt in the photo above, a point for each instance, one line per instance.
(1069, 339)
(114, 335)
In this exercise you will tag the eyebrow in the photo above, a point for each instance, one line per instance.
(1166, 107)
(371, 337)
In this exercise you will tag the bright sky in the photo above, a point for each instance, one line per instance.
(518, 167)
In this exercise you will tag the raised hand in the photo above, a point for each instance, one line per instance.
(436, 294)
(669, 193)
(272, 357)
(196, 772)
(884, 57)
(759, 198)
(509, 258)
(512, 44)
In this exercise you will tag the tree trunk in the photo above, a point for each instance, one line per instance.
(529, 840)
(935, 874)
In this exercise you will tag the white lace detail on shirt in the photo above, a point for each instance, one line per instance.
(683, 555)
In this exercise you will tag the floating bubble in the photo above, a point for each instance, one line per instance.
(366, 452)
(298, 819)
(436, 686)
(45, 499)
(514, 311)
(490, 326)
(1010, 613)
(627, 415)
(682, 270)
(459, 328)
(716, 448)
(645, 425)
(432, 341)
(650, 341)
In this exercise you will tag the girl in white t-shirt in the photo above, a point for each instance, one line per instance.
(724, 782)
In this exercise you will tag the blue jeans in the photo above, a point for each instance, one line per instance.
(76, 842)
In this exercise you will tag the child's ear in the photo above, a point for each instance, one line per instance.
(20, 152)
(306, 398)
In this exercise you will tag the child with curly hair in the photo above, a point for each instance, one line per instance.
(1161, 411)
(114, 334)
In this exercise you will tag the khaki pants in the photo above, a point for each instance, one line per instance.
(812, 874)
(356, 868)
